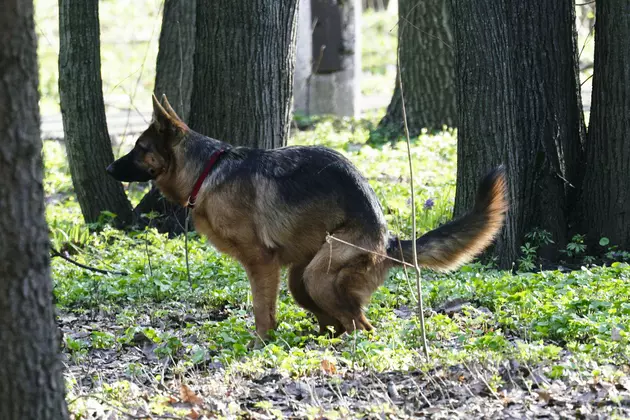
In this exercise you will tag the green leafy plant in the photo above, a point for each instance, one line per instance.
(529, 252)
(102, 340)
(66, 237)
(527, 260)
(169, 347)
(576, 247)
(75, 346)
(539, 237)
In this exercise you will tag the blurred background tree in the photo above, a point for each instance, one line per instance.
(426, 58)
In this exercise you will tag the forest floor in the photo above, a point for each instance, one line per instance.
(146, 376)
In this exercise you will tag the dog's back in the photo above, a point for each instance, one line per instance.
(299, 194)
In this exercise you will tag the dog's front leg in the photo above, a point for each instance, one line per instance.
(264, 279)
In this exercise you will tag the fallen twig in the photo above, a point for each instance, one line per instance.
(55, 253)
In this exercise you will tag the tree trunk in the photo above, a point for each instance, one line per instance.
(427, 65)
(31, 382)
(605, 197)
(81, 95)
(174, 69)
(244, 60)
(486, 103)
(174, 77)
(549, 119)
(519, 102)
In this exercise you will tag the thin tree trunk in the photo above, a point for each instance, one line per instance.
(244, 61)
(427, 67)
(605, 198)
(174, 69)
(31, 383)
(542, 137)
(81, 95)
(174, 78)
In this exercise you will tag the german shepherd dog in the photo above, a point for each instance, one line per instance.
(274, 208)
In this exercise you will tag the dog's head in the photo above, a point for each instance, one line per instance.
(152, 154)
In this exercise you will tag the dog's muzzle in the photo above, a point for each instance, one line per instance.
(126, 170)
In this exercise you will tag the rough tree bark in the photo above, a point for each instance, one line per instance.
(174, 69)
(174, 77)
(549, 120)
(605, 197)
(31, 383)
(486, 102)
(427, 65)
(529, 49)
(244, 61)
(88, 144)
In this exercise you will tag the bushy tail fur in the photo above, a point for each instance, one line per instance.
(459, 241)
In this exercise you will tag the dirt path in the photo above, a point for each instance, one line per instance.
(134, 122)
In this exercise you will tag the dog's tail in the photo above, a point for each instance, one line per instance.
(459, 241)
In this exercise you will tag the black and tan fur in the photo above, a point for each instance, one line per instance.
(274, 208)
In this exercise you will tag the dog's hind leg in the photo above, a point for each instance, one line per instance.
(301, 296)
(341, 284)
(264, 278)
(354, 286)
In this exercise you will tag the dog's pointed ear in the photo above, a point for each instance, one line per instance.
(159, 113)
(166, 120)
(169, 108)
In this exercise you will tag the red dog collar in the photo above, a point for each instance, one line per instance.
(193, 195)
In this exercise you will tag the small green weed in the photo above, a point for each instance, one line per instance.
(576, 248)
(529, 252)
